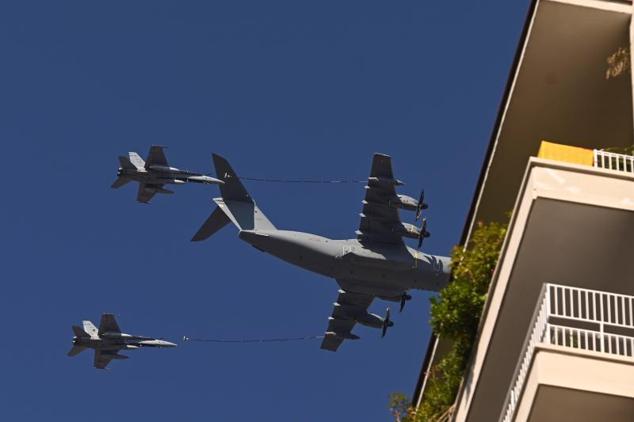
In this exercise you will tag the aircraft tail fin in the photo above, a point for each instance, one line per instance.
(131, 162)
(232, 188)
(89, 329)
(235, 205)
(75, 350)
(136, 160)
(79, 332)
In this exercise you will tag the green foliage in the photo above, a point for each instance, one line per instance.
(399, 407)
(455, 315)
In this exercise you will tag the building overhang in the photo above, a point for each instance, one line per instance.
(559, 92)
(556, 390)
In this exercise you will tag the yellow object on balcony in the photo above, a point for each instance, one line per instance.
(570, 154)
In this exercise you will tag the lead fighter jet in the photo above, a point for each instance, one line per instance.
(108, 340)
(154, 173)
(375, 264)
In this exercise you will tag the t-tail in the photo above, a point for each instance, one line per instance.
(235, 205)
(130, 162)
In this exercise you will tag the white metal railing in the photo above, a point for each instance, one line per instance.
(576, 318)
(613, 161)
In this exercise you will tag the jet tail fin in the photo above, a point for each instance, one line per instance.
(79, 332)
(89, 329)
(75, 350)
(232, 189)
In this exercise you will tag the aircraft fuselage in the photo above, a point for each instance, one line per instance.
(117, 341)
(165, 174)
(384, 269)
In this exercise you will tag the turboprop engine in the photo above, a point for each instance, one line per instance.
(375, 321)
(407, 230)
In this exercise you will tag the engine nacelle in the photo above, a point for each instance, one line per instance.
(405, 202)
(407, 230)
(343, 335)
(369, 320)
(382, 181)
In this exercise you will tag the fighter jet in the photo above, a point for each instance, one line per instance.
(376, 264)
(154, 173)
(108, 340)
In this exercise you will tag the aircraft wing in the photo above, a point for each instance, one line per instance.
(378, 218)
(108, 324)
(103, 358)
(146, 192)
(341, 322)
(156, 156)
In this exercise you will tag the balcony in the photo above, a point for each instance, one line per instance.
(613, 161)
(571, 223)
(578, 320)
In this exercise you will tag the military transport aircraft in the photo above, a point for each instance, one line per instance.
(375, 264)
(108, 340)
(154, 173)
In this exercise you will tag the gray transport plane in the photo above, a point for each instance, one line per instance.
(154, 173)
(108, 340)
(377, 264)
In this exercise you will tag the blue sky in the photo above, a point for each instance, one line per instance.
(282, 89)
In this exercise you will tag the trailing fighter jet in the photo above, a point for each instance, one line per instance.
(108, 340)
(375, 264)
(154, 173)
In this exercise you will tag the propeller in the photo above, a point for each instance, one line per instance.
(404, 298)
(421, 204)
(423, 233)
(387, 322)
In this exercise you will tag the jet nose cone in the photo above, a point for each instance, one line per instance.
(167, 344)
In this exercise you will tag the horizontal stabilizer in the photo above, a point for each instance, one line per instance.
(119, 182)
(217, 220)
(75, 350)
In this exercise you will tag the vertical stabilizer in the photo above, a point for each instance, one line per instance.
(75, 350)
(79, 332)
(90, 329)
(136, 160)
(232, 189)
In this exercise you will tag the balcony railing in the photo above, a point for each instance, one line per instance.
(576, 318)
(613, 161)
